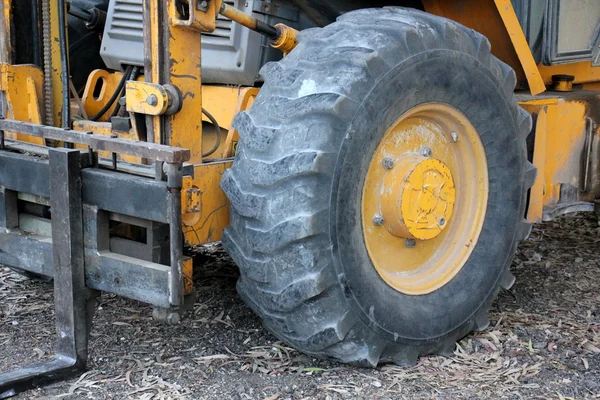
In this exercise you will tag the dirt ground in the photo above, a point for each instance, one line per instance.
(543, 342)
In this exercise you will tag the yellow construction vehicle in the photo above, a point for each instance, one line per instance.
(370, 166)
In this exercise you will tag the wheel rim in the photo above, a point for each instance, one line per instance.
(425, 198)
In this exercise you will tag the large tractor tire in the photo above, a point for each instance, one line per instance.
(379, 188)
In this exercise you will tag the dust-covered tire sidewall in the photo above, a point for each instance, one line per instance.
(461, 81)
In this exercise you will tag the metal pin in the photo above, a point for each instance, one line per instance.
(377, 220)
(454, 136)
(152, 100)
(441, 221)
(426, 152)
(410, 243)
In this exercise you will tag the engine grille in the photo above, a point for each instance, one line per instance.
(221, 35)
(128, 21)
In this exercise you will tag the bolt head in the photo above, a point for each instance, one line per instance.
(426, 152)
(410, 243)
(152, 100)
(454, 136)
(388, 163)
(377, 220)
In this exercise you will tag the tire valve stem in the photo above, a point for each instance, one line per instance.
(377, 220)
(410, 243)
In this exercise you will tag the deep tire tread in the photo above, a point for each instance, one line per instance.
(298, 297)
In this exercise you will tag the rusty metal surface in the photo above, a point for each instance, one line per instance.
(99, 142)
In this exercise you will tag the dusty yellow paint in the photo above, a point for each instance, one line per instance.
(108, 83)
(582, 71)
(139, 96)
(185, 74)
(188, 278)
(105, 128)
(23, 87)
(245, 101)
(417, 197)
(287, 39)
(536, 197)
(459, 158)
(202, 21)
(5, 40)
(560, 139)
(214, 209)
(517, 37)
(224, 102)
(56, 65)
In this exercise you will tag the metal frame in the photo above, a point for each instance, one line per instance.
(81, 196)
(551, 55)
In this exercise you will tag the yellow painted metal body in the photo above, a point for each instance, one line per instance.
(287, 39)
(23, 87)
(417, 197)
(496, 19)
(559, 152)
(57, 91)
(98, 89)
(207, 226)
(437, 196)
(146, 98)
(201, 21)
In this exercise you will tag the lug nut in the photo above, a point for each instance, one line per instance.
(426, 152)
(152, 100)
(378, 220)
(388, 163)
(454, 136)
(410, 243)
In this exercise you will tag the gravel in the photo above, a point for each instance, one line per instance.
(543, 341)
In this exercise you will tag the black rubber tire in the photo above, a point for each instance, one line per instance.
(296, 185)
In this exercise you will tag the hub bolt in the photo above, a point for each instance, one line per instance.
(388, 163)
(426, 152)
(454, 136)
(152, 100)
(377, 220)
(410, 243)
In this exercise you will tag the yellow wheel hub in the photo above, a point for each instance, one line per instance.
(417, 198)
(424, 198)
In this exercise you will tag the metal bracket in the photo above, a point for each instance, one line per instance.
(74, 303)
(151, 98)
(199, 15)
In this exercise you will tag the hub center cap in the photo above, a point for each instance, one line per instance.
(418, 196)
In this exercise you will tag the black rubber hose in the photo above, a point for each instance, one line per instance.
(219, 134)
(132, 77)
(114, 96)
